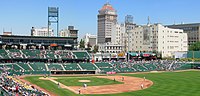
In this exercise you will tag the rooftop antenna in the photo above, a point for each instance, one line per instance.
(174, 22)
(107, 2)
(148, 20)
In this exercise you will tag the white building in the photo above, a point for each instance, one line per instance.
(90, 39)
(110, 48)
(117, 34)
(158, 38)
(42, 31)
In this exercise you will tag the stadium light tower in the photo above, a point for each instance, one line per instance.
(53, 17)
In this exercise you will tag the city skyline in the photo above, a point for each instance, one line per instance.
(20, 16)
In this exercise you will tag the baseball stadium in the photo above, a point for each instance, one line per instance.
(46, 66)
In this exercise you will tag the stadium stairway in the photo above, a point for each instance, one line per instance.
(19, 66)
(79, 66)
(63, 67)
(22, 53)
(145, 67)
(7, 53)
(30, 67)
(47, 67)
(97, 67)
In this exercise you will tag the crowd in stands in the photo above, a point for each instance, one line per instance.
(154, 65)
(37, 54)
(11, 86)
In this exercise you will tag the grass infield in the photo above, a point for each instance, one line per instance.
(165, 84)
(94, 81)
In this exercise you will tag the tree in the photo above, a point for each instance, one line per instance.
(195, 47)
(96, 48)
(89, 45)
(82, 44)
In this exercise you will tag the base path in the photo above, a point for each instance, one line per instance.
(130, 84)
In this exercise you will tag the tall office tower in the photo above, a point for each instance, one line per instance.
(107, 19)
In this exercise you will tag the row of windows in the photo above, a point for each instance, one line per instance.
(113, 47)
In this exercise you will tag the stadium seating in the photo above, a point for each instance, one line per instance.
(54, 66)
(139, 67)
(38, 66)
(3, 54)
(87, 66)
(105, 67)
(122, 67)
(32, 54)
(10, 84)
(15, 54)
(71, 66)
(50, 54)
(150, 66)
(81, 55)
(25, 66)
(65, 54)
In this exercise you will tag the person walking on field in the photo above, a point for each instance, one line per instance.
(79, 91)
(58, 85)
(123, 78)
(142, 86)
(85, 85)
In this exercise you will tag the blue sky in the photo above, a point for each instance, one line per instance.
(21, 15)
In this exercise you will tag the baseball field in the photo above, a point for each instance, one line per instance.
(185, 83)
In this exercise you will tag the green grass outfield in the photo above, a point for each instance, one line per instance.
(165, 84)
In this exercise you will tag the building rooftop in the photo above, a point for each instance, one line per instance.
(107, 6)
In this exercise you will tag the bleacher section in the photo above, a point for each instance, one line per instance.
(37, 55)
(71, 66)
(139, 67)
(31, 54)
(87, 66)
(54, 66)
(122, 67)
(102, 67)
(64, 54)
(81, 55)
(16, 54)
(105, 67)
(38, 66)
(50, 54)
(3, 54)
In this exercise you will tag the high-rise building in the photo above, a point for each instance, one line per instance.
(41, 31)
(156, 37)
(129, 25)
(107, 19)
(193, 31)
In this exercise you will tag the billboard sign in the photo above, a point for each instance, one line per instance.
(53, 11)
